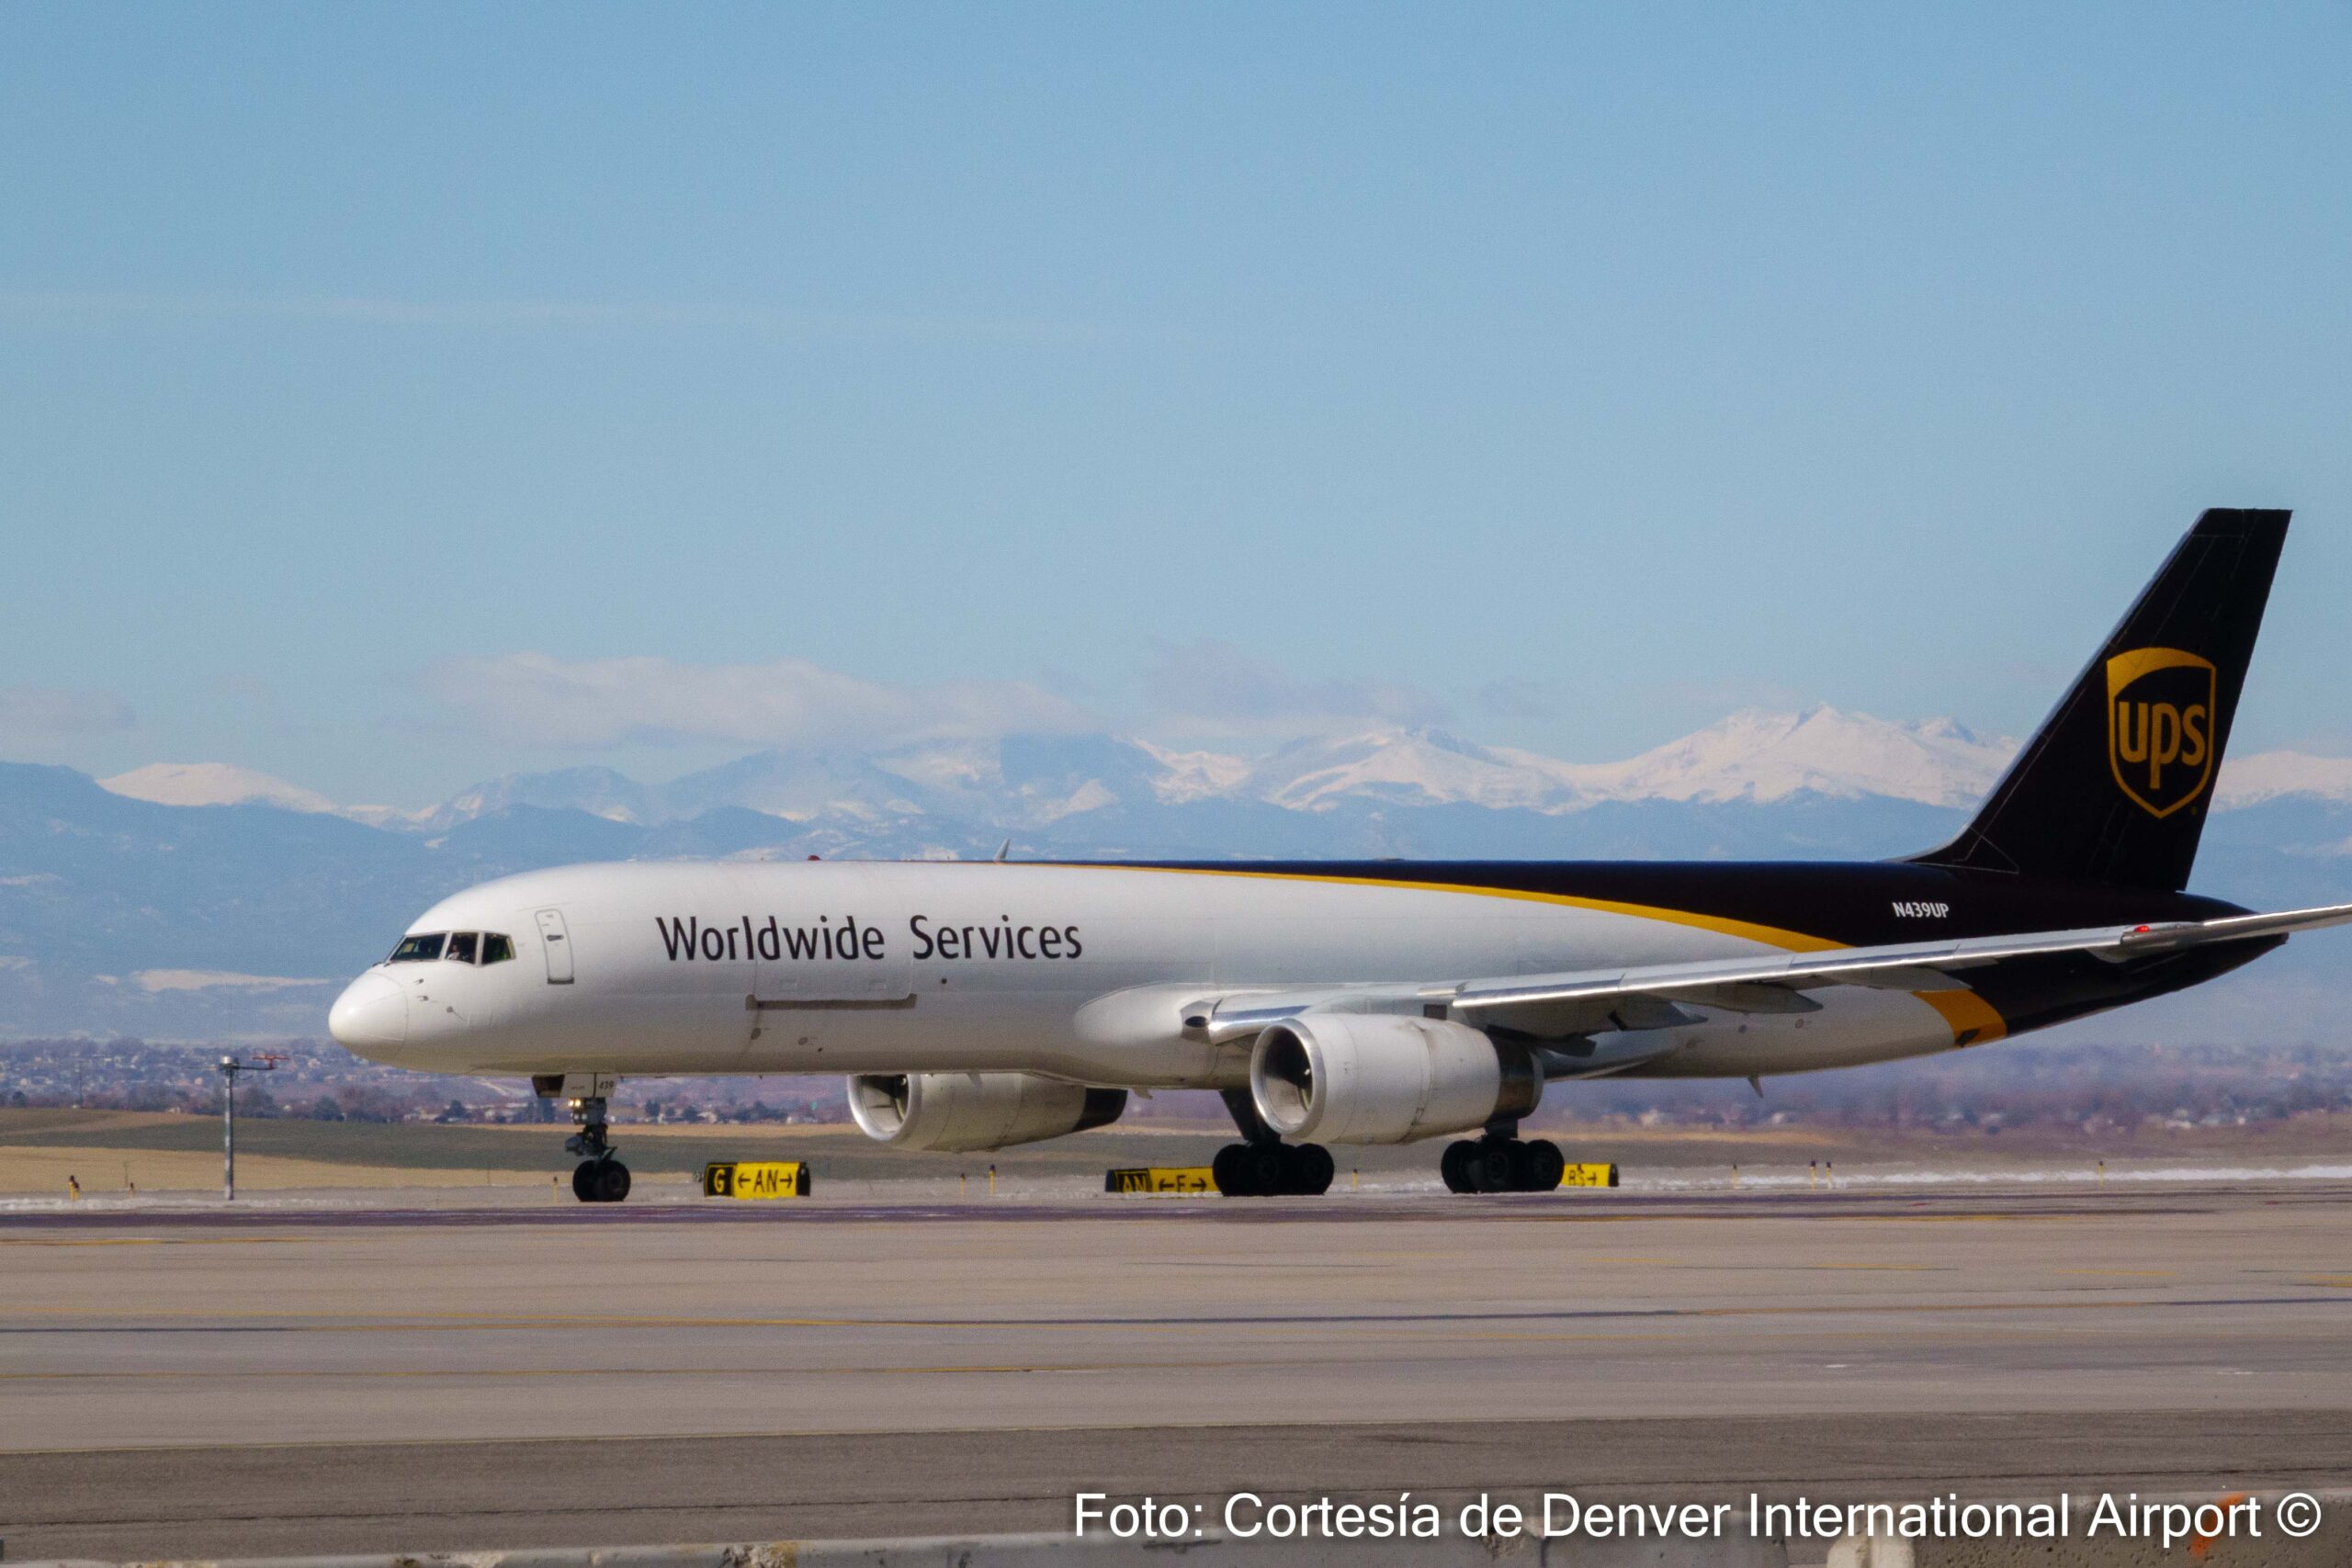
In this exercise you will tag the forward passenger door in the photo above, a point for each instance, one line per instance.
(555, 941)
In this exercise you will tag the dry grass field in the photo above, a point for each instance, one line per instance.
(109, 1151)
(106, 1172)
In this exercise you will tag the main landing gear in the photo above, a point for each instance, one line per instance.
(598, 1178)
(1265, 1166)
(1273, 1171)
(1500, 1162)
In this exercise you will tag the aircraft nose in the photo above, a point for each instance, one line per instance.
(370, 1017)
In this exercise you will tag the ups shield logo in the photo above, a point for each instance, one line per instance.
(2160, 726)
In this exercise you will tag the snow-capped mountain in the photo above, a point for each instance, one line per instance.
(804, 785)
(1029, 782)
(1763, 756)
(2280, 775)
(213, 870)
(225, 783)
(600, 792)
(1406, 767)
(214, 783)
(1751, 755)
(1193, 776)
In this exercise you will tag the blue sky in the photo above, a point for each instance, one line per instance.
(395, 396)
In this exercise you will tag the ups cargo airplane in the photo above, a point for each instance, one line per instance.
(976, 1005)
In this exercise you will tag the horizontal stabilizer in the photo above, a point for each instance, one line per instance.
(1775, 983)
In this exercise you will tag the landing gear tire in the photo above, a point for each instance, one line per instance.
(600, 1181)
(1312, 1168)
(1232, 1168)
(1273, 1171)
(1502, 1164)
(1492, 1167)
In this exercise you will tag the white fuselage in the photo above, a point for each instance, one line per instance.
(1083, 973)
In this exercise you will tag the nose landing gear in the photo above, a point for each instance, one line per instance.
(604, 1181)
(598, 1178)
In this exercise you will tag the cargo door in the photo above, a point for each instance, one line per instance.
(831, 963)
(556, 942)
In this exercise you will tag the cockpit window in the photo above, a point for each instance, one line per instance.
(461, 947)
(418, 949)
(496, 949)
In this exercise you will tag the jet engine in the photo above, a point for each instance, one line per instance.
(960, 1112)
(1331, 1077)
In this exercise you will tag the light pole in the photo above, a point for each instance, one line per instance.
(263, 1062)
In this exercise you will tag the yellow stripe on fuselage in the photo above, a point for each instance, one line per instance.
(1973, 1019)
(1967, 1012)
(1771, 936)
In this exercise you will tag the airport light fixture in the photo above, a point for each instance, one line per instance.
(263, 1062)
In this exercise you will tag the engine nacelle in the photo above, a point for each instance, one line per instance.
(962, 1112)
(1333, 1077)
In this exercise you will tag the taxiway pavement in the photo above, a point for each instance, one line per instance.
(194, 1382)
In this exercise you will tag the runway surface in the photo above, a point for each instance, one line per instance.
(849, 1369)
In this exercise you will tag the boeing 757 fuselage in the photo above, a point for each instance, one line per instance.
(976, 1005)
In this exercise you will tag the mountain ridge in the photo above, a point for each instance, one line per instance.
(238, 918)
(241, 921)
(1753, 754)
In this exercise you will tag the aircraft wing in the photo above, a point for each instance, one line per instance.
(1650, 996)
